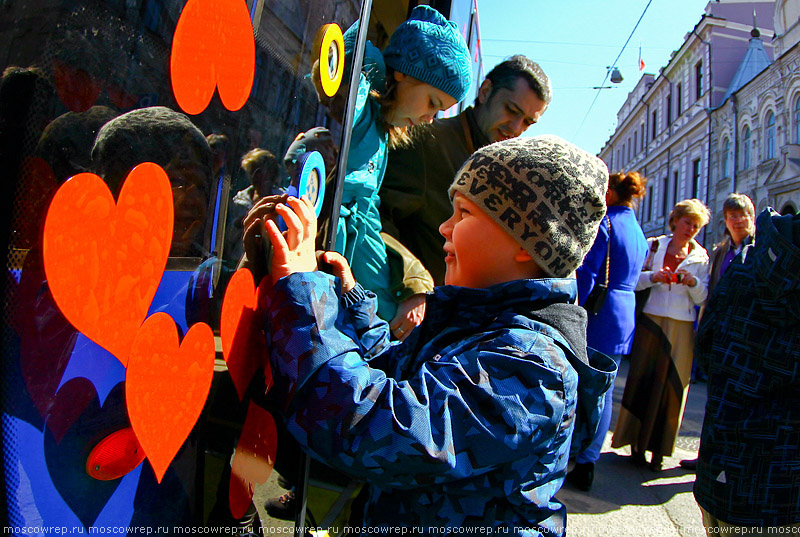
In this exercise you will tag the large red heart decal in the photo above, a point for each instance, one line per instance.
(243, 343)
(104, 260)
(254, 458)
(167, 385)
(213, 47)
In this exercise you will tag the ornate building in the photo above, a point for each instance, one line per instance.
(664, 129)
(756, 130)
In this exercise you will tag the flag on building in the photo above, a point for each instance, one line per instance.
(641, 61)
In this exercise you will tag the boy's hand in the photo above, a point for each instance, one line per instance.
(339, 268)
(256, 243)
(293, 250)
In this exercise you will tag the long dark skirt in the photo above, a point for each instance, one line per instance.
(656, 386)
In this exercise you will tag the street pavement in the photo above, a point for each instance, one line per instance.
(633, 500)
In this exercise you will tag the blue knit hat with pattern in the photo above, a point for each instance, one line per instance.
(431, 49)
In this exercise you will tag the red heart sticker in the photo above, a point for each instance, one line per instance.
(254, 458)
(167, 385)
(76, 88)
(243, 343)
(213, 47)
(104, 260)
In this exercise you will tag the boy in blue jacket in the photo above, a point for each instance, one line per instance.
(468, 422)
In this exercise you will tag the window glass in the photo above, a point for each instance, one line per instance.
(746, 148)
(797, 121)
(770, 137)
(137, 135)
(726, 149)
(675, 185)
(698, 80)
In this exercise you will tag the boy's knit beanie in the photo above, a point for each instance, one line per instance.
(431, 49)
(544, 191)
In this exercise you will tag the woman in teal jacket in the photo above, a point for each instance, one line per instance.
(425, 68)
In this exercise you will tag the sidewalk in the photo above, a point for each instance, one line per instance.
(630, 500)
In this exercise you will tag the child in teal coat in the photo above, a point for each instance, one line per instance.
(425, 68)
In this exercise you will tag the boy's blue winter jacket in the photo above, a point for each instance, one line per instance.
(467, 423)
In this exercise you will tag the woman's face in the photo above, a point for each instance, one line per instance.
(685, 228)
(739, 224)
(416, 102)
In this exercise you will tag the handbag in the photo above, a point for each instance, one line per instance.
(594, 302)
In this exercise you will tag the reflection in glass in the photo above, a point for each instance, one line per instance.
(86, 87)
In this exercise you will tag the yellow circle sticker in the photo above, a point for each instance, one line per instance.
(331, 57)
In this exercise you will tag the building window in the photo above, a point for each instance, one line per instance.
(636, 142)
(679, 101)
(644, 140)
(698, 80)
(665, 196)
(746, 148)
(649, 204)
(797, 121)
(622, 156)
(668, 107)
(726, 150)
(769, 150)
(675, 188)
(654, 125)
(695, 177)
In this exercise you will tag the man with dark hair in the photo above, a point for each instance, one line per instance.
(414, 199)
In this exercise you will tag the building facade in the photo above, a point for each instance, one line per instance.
(664, 129)
(756, 130)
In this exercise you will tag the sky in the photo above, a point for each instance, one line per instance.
(574, 41)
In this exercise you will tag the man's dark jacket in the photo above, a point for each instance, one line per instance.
(748, 471)
(414, 198)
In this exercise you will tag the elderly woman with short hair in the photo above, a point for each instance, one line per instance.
(676, 272)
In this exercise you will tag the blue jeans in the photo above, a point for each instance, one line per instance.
(592, 453)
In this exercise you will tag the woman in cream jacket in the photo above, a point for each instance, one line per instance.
(676, 272)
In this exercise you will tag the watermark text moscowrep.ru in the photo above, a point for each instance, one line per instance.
(367, 530)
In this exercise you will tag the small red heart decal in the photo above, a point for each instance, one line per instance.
(75, 87)
(104, 260)
(254, 458)
(243, 343)
(213, 46)
(167, 385)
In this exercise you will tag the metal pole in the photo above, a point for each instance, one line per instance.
(330, 240)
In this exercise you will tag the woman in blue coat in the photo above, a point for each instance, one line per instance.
(610, 331)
